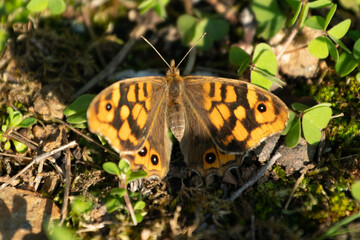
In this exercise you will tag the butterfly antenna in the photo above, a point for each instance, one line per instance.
(155, 51)
(190, 50)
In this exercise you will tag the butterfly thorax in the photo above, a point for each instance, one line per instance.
(176, 115)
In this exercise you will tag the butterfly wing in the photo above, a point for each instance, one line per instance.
(199, 150)
(231, 116)
(124, 113)
(154, 157)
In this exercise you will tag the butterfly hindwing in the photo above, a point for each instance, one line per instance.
(154, 156)
(199, 150)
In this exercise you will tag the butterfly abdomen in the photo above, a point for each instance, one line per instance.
(176, 114)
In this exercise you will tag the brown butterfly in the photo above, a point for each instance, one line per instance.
(213, 118)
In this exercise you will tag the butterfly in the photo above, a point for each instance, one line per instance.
(213, 118)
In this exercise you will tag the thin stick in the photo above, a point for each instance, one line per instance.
(288, 41)
(256, 177)
(294, 189)
(37, 159)
(14, 156)
(64, 208)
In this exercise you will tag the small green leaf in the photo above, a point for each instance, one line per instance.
(139, 205)
(320, 4)
(19, 146)
(340, 29)
(80, 105)
(356, 50)
(355, 190)
(311, 132)
(123, 165)
(329, 16)
(186, 25)
(81, 204)
(7, 145)
(120, 192)
(56, 6)
(338, 42)
(295, 5)
(299, 107)
(37, 5)
(264, 59)
(10, 111)
(112, 205)
(4, 127)
(111, 168)
(293, 136)
(239, 57)
(318, 47)
(136, 175)
(288, 126)
(334, 53)
(27, 122)
(78, 118)
(346, 64)
(138, 217)
(17, 119)
(316, 22)
(319, 116)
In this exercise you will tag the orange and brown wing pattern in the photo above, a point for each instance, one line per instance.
(237, 115)
(124, 113)
(199, 150)
(154, 156)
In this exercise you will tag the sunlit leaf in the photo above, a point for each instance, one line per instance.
(136, 175)
(139, 205)
(319, 116)
(311, 132)
(320, 4)
(318, 47)
(111, 168)
(340, 29)
(330, 15)
(19, 146)
(37, 5)
(316, 22)
(56, 6)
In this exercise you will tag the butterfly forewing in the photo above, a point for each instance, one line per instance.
(237, 115)
(124, 113)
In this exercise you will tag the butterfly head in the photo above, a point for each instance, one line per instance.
(173, 70)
